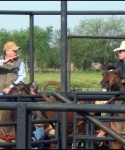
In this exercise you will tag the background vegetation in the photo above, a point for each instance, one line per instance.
(84, 81)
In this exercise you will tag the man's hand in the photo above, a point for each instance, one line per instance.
(7, 90)
(9, 60)
(32, 91)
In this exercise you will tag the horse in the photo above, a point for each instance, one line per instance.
(111, 81)
(51, 114)
(7, 133)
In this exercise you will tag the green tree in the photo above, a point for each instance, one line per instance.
(42, 42)
(4, 37)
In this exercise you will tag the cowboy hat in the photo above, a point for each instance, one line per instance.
(122, 47)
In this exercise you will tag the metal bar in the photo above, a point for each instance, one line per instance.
(96, 97)
(95, 37)
(83, 95)
(93, 138)
(29, 131)
(57, 126)
(80, 95)
(9, 12)
(64, 107)
(6, 145)
(7, 123)
(31, 49)
(68, 64)
(96, 12)
(64, 44)
(64, 69)
(21, 126)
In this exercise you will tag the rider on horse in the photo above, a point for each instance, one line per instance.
(11, 71)
(121, 62)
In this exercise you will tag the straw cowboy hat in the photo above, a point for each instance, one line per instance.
(122, 47)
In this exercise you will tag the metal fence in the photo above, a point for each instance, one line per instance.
(23, 106)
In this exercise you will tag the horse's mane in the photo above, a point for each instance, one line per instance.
(110, 67)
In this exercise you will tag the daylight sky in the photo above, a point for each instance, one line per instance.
(16, 22)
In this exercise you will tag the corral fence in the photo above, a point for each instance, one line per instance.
(23, 105)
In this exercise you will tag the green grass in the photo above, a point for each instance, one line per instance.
(84, 80)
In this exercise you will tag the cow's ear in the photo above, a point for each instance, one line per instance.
(34, 86)
(29, 84)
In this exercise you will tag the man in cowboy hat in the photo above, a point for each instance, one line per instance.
(122, 47)
(121, 62)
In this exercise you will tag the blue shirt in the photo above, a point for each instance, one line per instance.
(122, 71)
(21, 74)
(38, 135)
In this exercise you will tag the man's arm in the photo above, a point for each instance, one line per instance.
(21, 74)
(8, 60)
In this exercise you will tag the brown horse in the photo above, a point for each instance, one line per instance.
(51, 114)
(112, 82)
(7, 133)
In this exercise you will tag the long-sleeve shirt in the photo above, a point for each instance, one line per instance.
(122, 71)
(21, 74)
(1, 62)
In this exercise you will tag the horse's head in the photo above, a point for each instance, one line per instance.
(22, 88)
(111, 80)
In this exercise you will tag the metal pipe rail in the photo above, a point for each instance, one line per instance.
(95, 37)
(111, 108)
(8, 12)
(83, 95)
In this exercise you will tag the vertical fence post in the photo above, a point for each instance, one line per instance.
(21, 126)
(29, 131)
(64, 68)
(31, 49)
